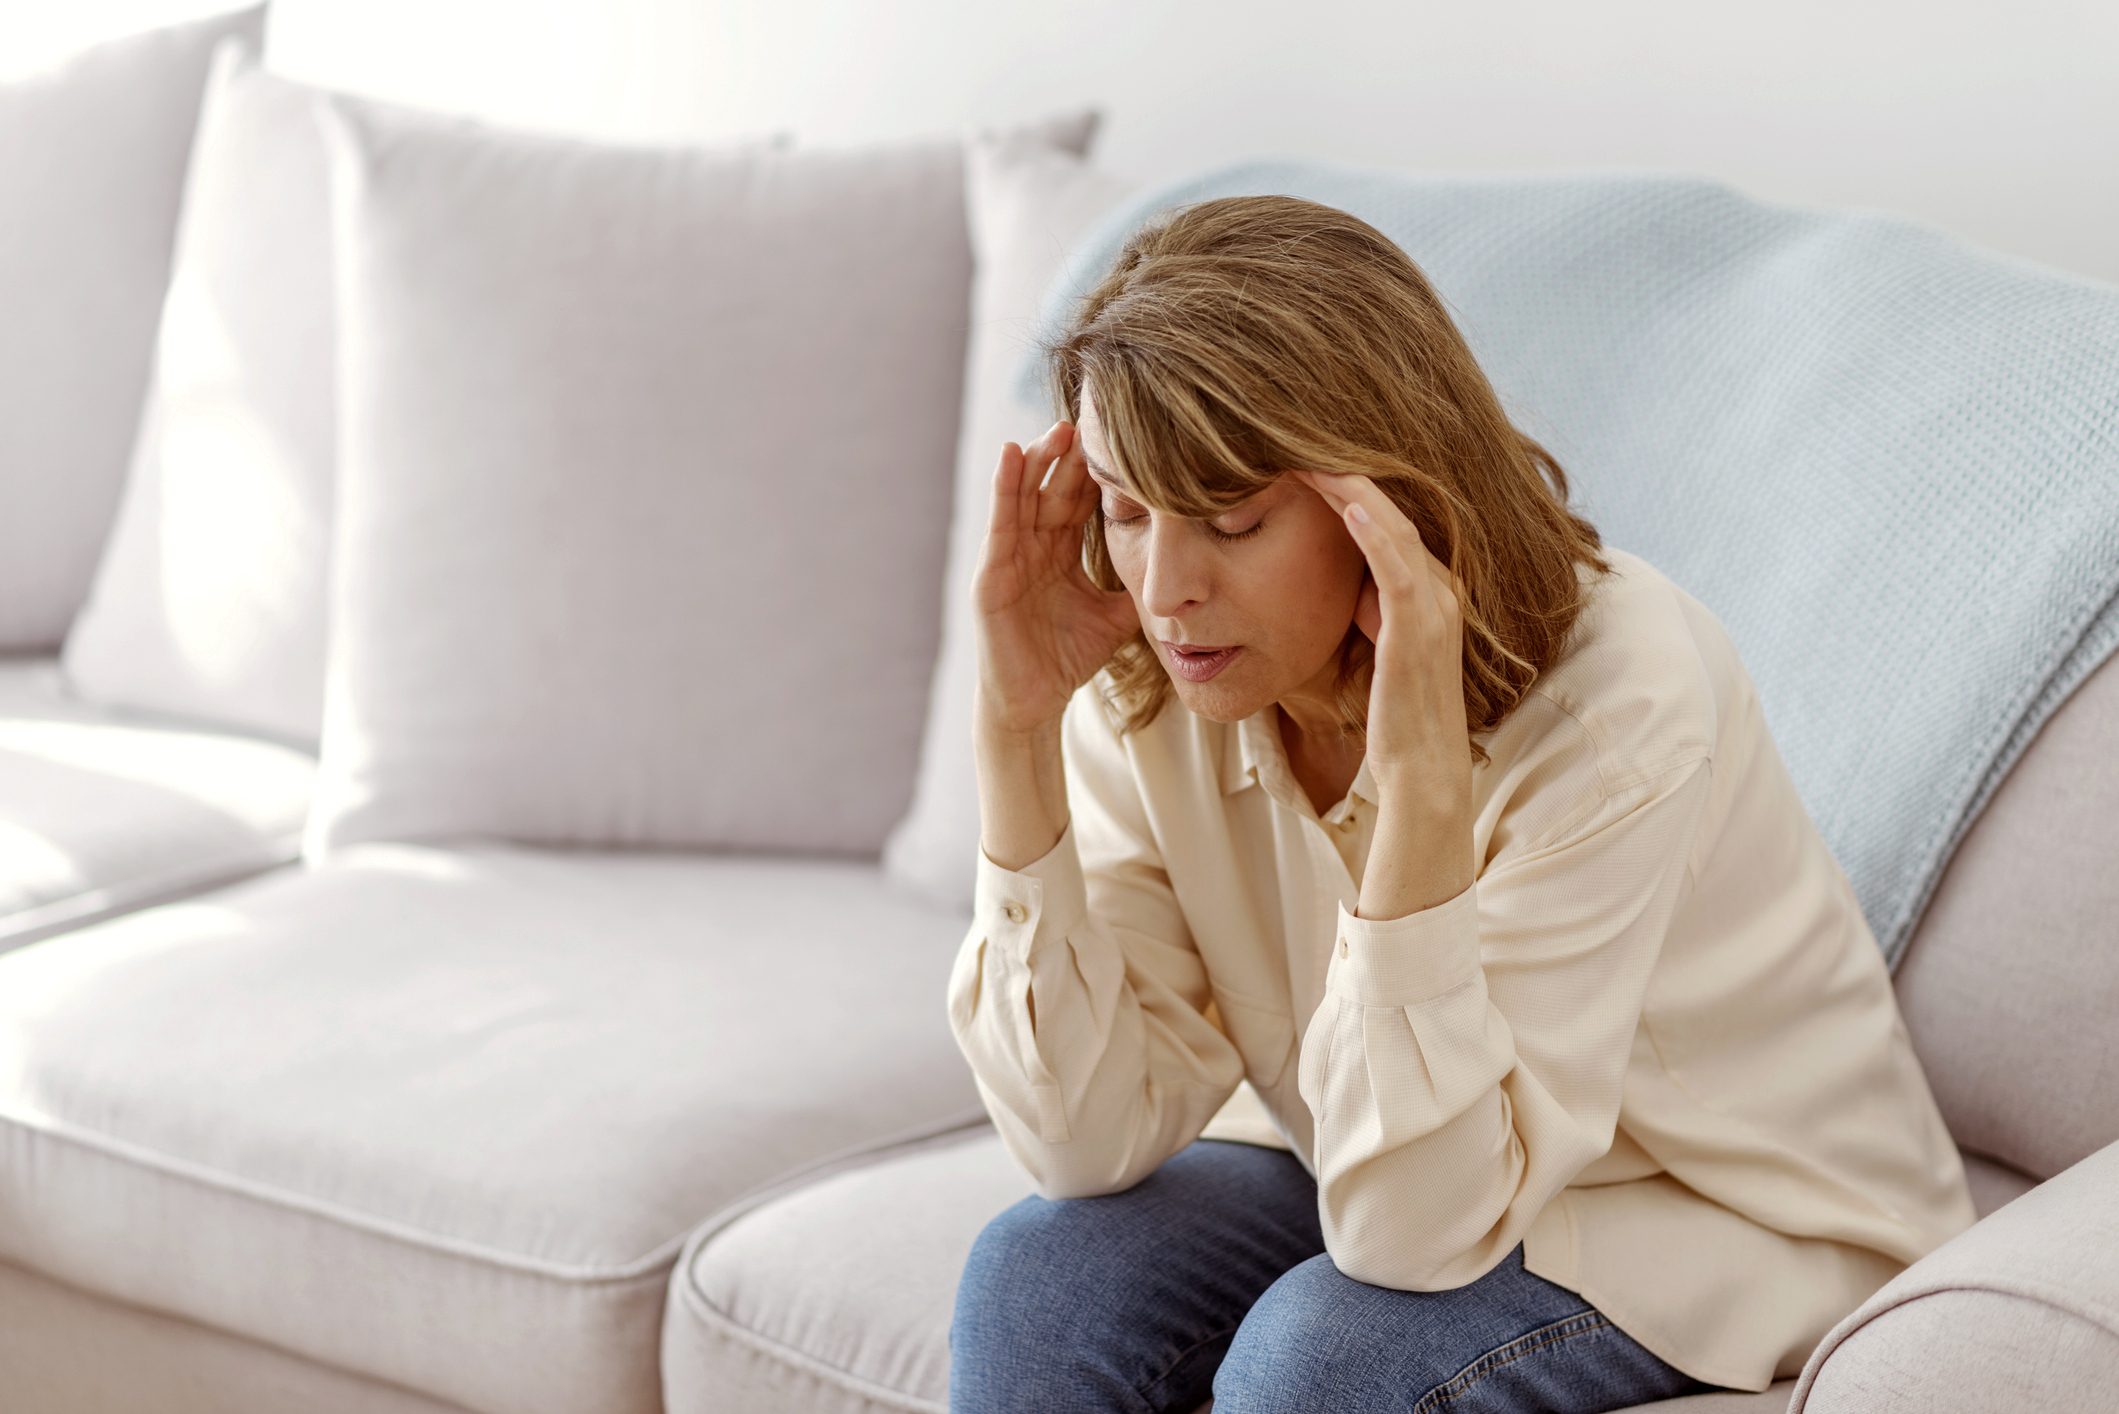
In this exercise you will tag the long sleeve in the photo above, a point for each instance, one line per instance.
(1119, 1067)
(1467, 1060)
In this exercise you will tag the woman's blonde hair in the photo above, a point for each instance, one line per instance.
(1237, 337)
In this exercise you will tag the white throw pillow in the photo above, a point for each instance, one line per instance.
(1029, 203)
(92, 159)
(644, 485)
(210, 598)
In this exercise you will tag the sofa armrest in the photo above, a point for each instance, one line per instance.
(2019, 1311)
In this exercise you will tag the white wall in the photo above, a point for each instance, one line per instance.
(1999, 122)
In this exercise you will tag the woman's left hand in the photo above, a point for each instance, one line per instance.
(1418, 740)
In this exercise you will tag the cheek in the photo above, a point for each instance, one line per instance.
(1313, 592)
(1124, 557)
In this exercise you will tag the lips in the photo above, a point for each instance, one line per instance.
(1200, 667)
(1197, 649)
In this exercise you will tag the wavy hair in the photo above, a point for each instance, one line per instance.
(1236, 337)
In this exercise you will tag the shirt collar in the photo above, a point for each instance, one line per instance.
(1251, 746)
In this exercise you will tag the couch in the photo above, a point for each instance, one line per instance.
(383, 1029)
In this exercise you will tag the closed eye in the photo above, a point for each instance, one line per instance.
(1215, 531)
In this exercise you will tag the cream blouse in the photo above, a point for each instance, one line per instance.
(1654, 1041)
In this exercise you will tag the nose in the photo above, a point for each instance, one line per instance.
(1176, 566)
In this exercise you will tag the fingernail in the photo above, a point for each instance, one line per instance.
(1359, 513)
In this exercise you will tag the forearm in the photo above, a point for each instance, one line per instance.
(1407, 1067)
(1080, 1000)
(1022, 792)
(1411, 1065)
(1420, 856)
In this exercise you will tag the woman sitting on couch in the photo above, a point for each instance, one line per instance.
(1463, 842)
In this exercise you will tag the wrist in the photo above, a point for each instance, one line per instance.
(989, 728)
(1421, 856)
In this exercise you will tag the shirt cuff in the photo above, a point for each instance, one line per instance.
(1048, 896)
(1400, 961)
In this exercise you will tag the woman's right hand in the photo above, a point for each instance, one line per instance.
(1044, 628)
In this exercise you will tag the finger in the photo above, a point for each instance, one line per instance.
(1045, 451)
(1007, 475)
(1401, 530)
(1062, 505)
(1036, 457)
(1322, 486)
(1055, 504)
(1015, 486)
(1346, 488)
(1393, 545)
(1384, 548)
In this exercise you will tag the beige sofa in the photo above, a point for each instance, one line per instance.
(475, 1124)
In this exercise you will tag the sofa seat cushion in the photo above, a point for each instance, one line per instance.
(832, 1293)
(446, 1116)
(104, 810)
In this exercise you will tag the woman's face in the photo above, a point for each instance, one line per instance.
(1284, 592)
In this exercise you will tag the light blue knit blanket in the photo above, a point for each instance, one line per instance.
(1886, 459)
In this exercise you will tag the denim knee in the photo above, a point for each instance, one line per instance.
(1127, 1301)
(1289, 1346)
(1318, 1339)
(1023, 1335)
(1030, 1224)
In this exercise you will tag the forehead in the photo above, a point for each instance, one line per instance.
(1093, 456)
(1262, 497)
(1101, 472)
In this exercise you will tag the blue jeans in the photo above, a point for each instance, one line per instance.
(1210, 1277)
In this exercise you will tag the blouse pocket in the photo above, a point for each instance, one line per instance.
(1264, 1034)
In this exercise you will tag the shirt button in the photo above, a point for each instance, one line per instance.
(1016, 912)
(1342, 947)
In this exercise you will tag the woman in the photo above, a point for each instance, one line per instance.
(1463, 842)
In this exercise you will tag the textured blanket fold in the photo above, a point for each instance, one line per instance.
(1888, 460)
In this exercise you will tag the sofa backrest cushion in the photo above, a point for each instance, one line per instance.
(209, 599)
(92, 161)
(644, 484)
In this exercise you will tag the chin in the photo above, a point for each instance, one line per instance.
(1209, 700)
